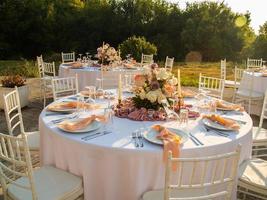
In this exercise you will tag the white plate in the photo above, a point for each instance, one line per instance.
(91, 127)
(151, 135)
(215, 125)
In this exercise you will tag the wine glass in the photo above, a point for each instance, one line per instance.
(91, 91)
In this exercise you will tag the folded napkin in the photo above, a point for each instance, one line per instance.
(80, 124)
(188, 93)
(72, 105)
(171, 142)
(228, 123)
(236, 107)
(73, 65)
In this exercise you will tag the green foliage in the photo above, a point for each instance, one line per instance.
(144, 103)
(23, 68)
(136, 46)
(33, 27)
(259, 47)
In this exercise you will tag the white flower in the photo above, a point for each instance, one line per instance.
(152, 96)
(162, 74)
(173, 81)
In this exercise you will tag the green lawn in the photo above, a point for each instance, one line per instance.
(189, 72)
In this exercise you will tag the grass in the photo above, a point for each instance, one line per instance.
(189, 71)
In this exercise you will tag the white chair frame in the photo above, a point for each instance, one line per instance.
(169, 63)
(223, 69)
(238, 77)
(14, 115)
(258, 151)
(63, 87)
(146, 59)
(213, 85)
(218, 177)
(15, 163)
(68, 57)
(247, 98)
(254, 63)
(49, 69)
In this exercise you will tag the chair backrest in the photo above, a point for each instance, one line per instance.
(49, 69)
(223, 69)
(15, 162)
(169, 63)
(238, 75)
(254, 63)
(146, 59)
(40, 65)
(68, 57)
(249, 83)
(211, 171)
(214, 86)
(63, 87)
(13, 112)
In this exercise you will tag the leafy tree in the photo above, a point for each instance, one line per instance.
(136, 46)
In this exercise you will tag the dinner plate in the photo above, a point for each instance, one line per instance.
(151, 135)
(91, 127)
(214, 125)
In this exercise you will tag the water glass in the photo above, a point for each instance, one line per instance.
(80, 105)
(184, 117)
(91, 91)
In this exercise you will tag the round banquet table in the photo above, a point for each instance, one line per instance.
(259, 85)
(112, 167)
(88, 75)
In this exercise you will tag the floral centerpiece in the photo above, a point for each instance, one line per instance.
(107, 55)
(153, 87)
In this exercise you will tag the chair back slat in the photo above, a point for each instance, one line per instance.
(15, 163)
(223, 69)
(49, 69)
(213, 86)
(214, 171)
(63, 87)
(68, 57)
(146, 59)
(13, 112)
(169, 63)
(254, 63)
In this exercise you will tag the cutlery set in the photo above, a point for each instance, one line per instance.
(195, 140)
(70, 116)
(138, 139)
(95, 135)
(220, 133)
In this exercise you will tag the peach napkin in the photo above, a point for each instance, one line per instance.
(188, 93)
(80, 124)
(171, 142)
(228, 123)
(72, 105)
(220, 104)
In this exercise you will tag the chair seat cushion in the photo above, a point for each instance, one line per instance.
(231, 83)
(254, 172)
(33, 139)
(245, 93)
(50, 183)
(259, 135)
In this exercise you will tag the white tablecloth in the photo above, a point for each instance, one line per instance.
(88, 75)
(259, 85)
(114, 169)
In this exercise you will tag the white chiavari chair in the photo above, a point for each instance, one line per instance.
(214, 87)
(19, 181)
(63, 87)
(260, 133)
(68, 57)
(39, 60)
(246, 94)
(238, 76)
(212, 172)
(227, 83)
(15, 122)
(254, 63)
(169, 63)
(146, 59)
(253, 173)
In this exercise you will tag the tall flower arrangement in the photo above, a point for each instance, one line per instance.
(107, 54)
(154, 86)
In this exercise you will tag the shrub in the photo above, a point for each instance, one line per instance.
(12, 81)
(136, 46)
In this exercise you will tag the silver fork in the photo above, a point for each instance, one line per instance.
(134, 137)
(140, 138)
(71, 116)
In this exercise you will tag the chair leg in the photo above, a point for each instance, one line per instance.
(44, 104)
(249, 106)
